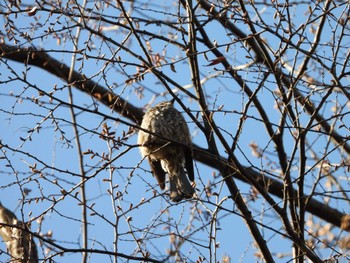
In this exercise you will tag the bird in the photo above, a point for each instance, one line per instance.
(165, 141)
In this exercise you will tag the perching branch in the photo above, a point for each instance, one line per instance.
(42, 60)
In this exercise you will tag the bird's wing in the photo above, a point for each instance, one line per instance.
(158, 172)
(189, 164)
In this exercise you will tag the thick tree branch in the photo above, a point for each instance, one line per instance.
(18, 239)
(42, 60)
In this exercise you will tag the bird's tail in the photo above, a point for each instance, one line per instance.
(180, 186)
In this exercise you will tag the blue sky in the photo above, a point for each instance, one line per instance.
(54, 144)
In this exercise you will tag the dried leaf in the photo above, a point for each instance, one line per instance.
(216, 61)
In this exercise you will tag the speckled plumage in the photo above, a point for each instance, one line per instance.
(165, 122)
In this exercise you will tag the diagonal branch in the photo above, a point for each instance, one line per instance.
(42, 60)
